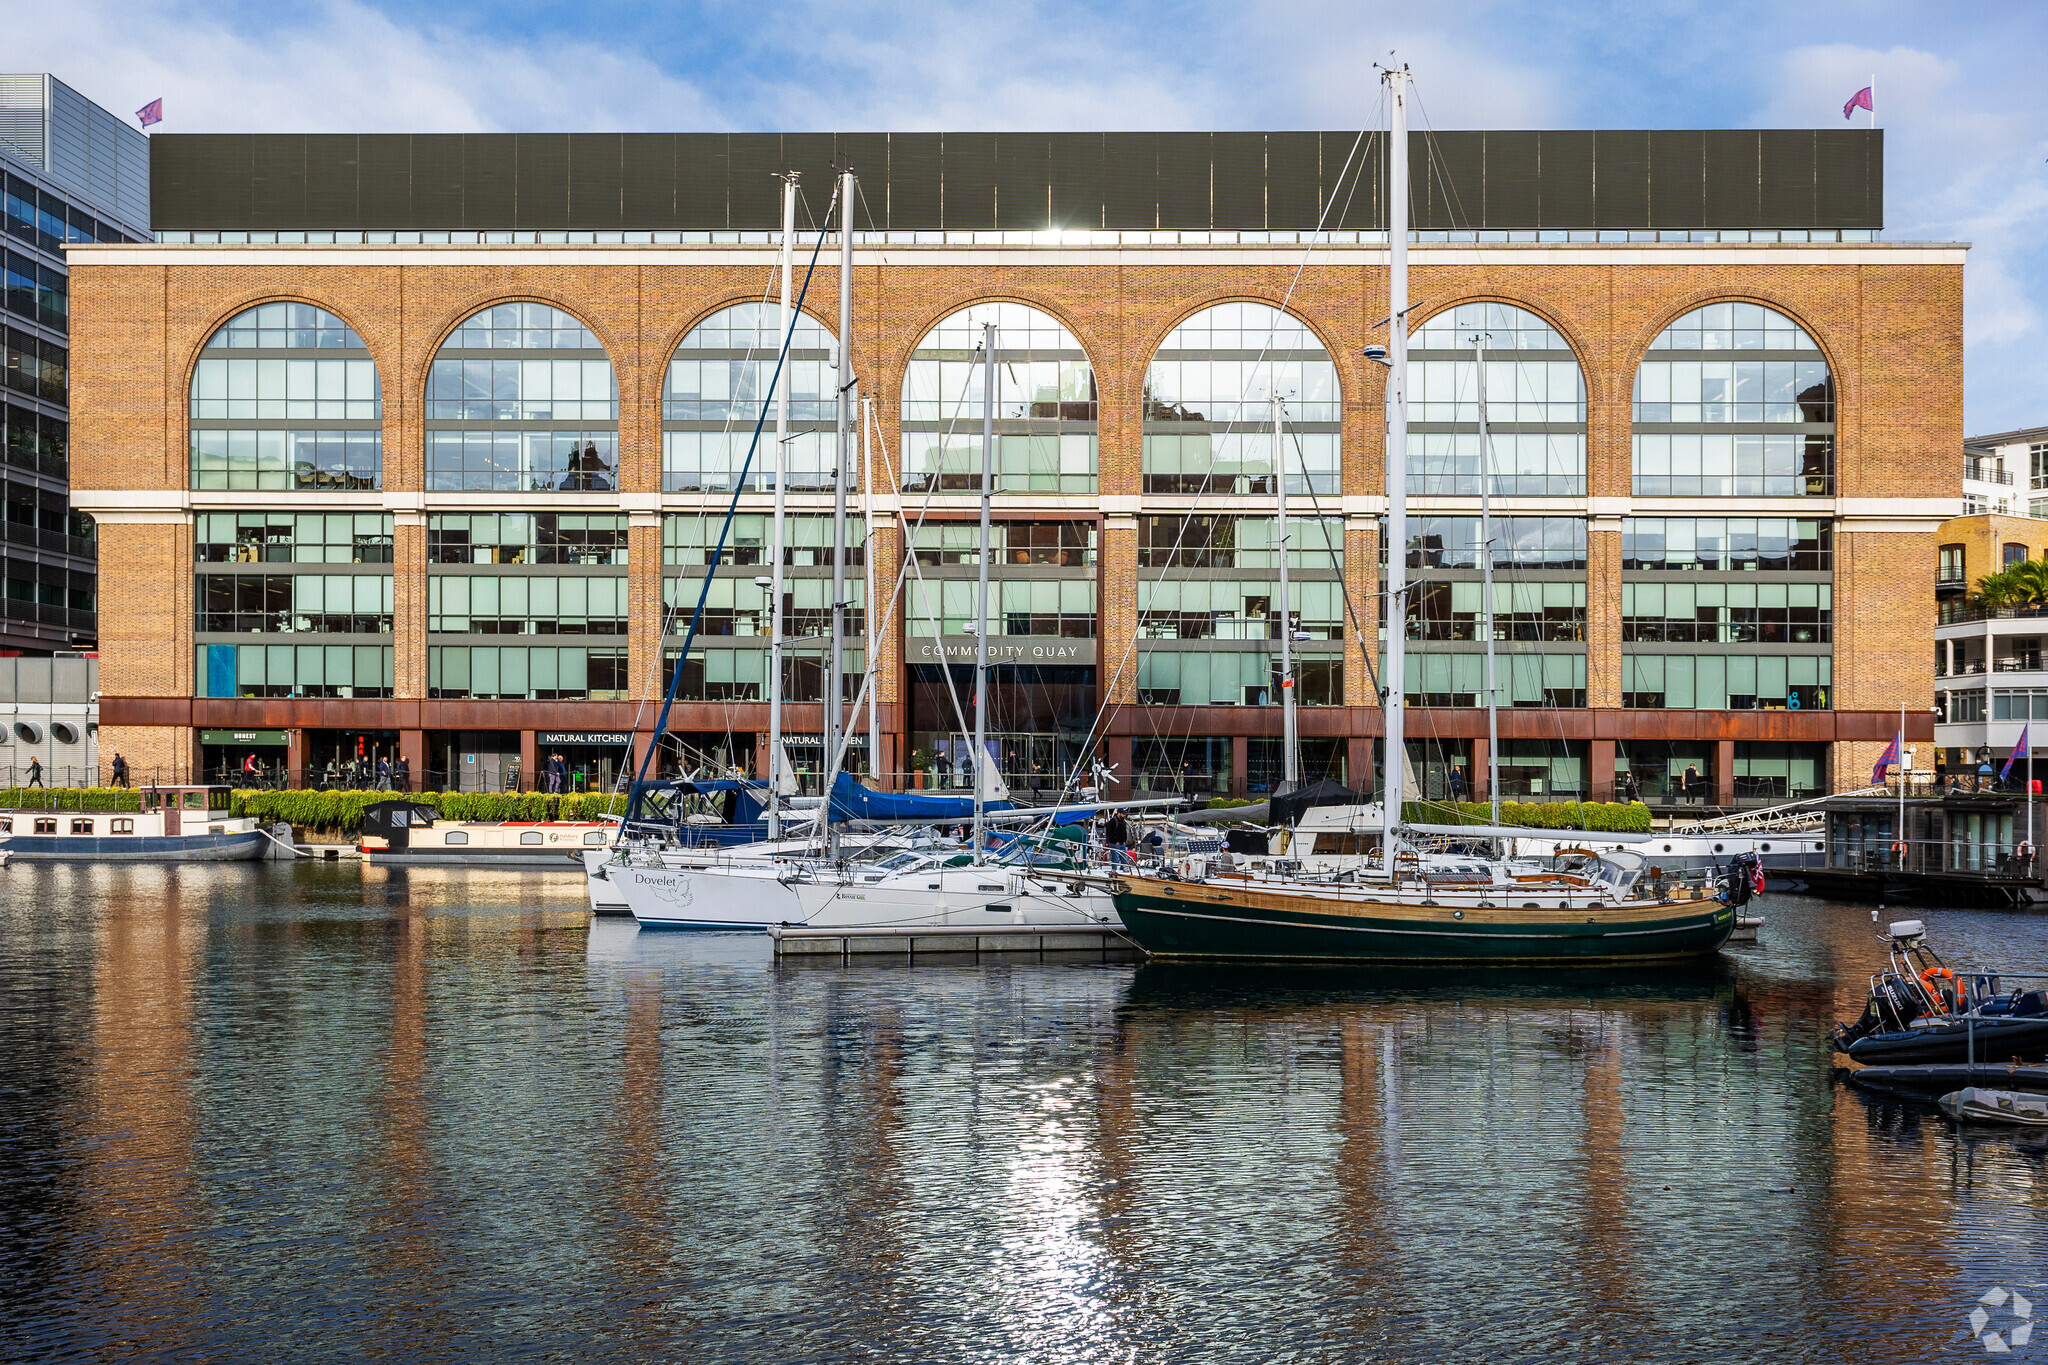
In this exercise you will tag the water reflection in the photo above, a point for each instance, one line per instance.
(439, 1115)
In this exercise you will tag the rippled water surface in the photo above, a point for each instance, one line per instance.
(317, 1112)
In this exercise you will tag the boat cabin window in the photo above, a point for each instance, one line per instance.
(6, 824)
(81, 826)
(458, 836)
(195, 800)
(46, 826)
(1327, 843)
(122, 825)
(595, 836)
(532, 836)
(898, 862)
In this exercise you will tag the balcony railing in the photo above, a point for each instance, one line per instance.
(1958, 613)
(1982, 472)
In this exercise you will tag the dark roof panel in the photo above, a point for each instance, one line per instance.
(1827, 178)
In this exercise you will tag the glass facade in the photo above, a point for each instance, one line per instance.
(526, 673)
(1727, 544)
(292, 537)
(1208, 404)
(527, 538)
(718, 381)
(1045, 418)
(1735, 682)
(332, 604)
(293, 670)
(1232, 542)
(1535, 405)
(489, 604)
(1734, 400)
(286, 396)
(521, 399)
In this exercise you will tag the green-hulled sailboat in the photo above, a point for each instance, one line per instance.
(1418, 907)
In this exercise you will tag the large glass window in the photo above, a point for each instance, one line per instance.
(1062, 544)
(1209, 397)
(292, 537)
(1219, 609)
(285, 396)
(718, 380)
(735, 605)
(1535, 405)
(1235, 678)
(487, 604)
(1062, 607)
(1436, 542)
(1452, 610)
(521, 398)
(224, 670)
(742, 675)
(1727, 544)
(1045, 405)
(527, 538)
(1734, 400)
(1728, 613)
(689, 538)
(337, 604)
(1226, 542)
(526, 673)
(1736, 682)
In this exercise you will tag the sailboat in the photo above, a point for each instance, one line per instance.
(1416, 905)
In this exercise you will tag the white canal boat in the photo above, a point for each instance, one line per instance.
(175, 825)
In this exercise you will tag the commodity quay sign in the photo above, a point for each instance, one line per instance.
(1017, 650)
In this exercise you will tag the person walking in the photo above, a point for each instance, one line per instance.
(402, 774)
(1689, 785)
(1457, 785)
(35, 772)
(120, 770)
(558, 769)
(384, 774)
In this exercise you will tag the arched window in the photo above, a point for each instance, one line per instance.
(1734, 400)
(717, 380)
(1535, 405)
(1045, 405)
(285, 395)
(1209, 404)
(521, 399)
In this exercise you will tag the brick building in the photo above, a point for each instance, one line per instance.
(371, 405)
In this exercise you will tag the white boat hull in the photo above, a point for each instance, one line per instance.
(966, 896)
(701, 898)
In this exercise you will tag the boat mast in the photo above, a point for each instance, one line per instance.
(1396, 680)
(1289, 775)
(873, 614)
(1486, 582)
(988, 466)
(775, 551)
(841, 458)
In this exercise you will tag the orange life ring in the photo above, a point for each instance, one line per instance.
(1930, 978)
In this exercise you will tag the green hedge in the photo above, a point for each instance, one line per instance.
(340, 812)
(70, 798)
(1594, 817)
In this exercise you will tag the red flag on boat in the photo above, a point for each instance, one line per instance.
(1859, 100)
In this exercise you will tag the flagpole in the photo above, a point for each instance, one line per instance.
(1873, 99)
(1904, 846)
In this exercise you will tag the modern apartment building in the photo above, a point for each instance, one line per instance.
(1990, 682)
(73, 173)
(404, 443)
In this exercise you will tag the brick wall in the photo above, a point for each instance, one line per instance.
(1890, 328)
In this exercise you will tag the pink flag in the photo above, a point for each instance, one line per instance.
(1859, 100)
(1891, 755)
(153, 112)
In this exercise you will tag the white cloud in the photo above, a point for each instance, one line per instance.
(1963, 162)
(346, 68)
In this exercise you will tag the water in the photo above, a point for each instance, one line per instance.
(316, 1112)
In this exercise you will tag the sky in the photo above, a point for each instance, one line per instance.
(1959, 91)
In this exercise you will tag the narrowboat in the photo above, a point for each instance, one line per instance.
(410, 833)
(175, 825)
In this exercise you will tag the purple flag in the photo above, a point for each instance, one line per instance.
(1885, 760)
(153, 112)
(1859, 100)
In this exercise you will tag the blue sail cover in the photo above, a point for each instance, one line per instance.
(852, 801)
